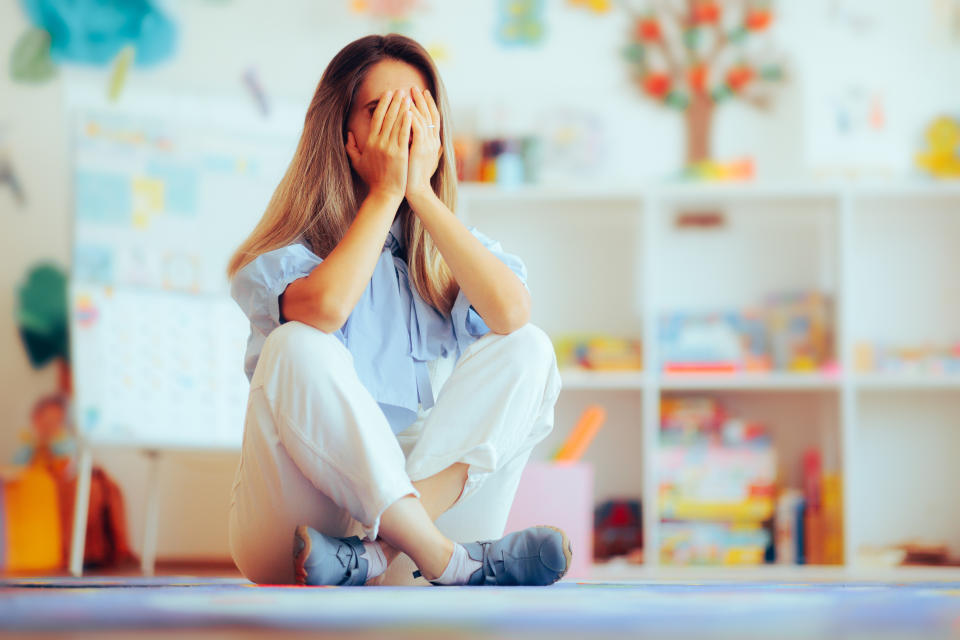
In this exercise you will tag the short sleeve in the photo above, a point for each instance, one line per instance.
(258, 285)
(468, 325)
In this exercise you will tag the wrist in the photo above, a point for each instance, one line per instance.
(386, 196)
(420, 194)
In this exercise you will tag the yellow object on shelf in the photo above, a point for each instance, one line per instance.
(941, 158)
(743, 556)
(750, 510)
(599, 352)
(832, 500)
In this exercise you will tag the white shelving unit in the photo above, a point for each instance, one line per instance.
(606, 258)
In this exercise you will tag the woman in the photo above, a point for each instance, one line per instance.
(365, 296)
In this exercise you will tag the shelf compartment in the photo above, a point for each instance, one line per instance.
(906, 468)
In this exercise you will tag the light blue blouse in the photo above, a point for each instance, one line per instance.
(390, 357)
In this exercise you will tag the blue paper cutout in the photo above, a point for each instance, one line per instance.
(94, 31)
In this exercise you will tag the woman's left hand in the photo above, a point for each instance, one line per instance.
(425, 148)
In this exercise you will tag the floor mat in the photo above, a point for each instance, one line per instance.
(594, 609)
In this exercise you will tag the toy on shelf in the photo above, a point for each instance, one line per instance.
(582, 435)
(789, 332)
(505, 161)
(941, 158)
(809, 521)
(719, 502)
(618, 530)
(713, 543)
(497, 145)
(716, 484)
(599, 352)
(35, 518)
(884, 358)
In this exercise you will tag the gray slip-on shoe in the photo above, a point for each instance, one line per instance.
(319, 559)
(536, 556)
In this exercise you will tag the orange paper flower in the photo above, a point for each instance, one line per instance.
(657, 84)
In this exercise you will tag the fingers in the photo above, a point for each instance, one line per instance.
(422, 107)
(390, 121)
(403, 133)
(416, 123)
(399, 124)
(380, 112)
(419, 117)
(434, 111)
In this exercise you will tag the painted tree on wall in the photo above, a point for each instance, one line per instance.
(694, 55)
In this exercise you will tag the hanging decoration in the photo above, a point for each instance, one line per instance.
(90, 32)
(251, 81)
(694, 55)
(30, 60)
(8, 175)
(520, 22)
(394, 16)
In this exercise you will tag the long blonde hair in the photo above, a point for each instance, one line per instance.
(320, 192)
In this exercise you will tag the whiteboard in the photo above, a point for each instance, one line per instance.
(164, 190)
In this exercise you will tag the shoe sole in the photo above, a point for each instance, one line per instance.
(301, 551)
(567, 549)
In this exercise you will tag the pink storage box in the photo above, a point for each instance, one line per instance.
(560, 495)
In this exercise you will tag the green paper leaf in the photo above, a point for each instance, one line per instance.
(738, 34)
(42, 314)
(30, 60)
(721, 93)
(634, 52)
(677, 100)
(771, 73)
(118, 78)
(691, 38)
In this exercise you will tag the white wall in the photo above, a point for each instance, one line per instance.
(905, 55)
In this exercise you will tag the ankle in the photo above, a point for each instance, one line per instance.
(442, 561)
(389, 550)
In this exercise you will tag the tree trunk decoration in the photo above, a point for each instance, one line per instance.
(692, 55)
(699, 117)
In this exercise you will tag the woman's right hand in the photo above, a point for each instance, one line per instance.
(383, 162)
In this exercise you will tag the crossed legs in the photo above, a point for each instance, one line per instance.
(497, 402)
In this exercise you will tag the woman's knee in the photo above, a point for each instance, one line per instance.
(532, 347)
(304, 347)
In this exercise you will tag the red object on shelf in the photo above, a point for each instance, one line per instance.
(701, 367)
(811, 477)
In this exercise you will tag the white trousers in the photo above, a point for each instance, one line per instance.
(318, 450)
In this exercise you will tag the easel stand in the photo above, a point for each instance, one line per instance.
(82, 506)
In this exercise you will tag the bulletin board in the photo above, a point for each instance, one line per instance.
(163, 193)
